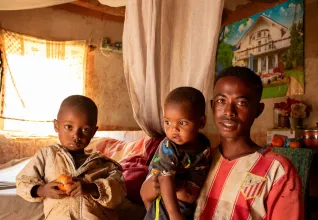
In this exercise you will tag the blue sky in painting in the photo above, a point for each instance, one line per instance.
(283, 13)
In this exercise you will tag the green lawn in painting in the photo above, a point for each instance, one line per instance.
(276, 91)
(298, 75)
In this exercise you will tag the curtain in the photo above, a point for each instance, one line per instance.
(167, 44)
(38, 75)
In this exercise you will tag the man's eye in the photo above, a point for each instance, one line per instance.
(68, 127)
(183, 123)
(221, 101)
(242, 103)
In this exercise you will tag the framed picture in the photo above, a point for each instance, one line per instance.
(271, 43)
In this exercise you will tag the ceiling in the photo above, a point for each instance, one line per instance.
(115, 9)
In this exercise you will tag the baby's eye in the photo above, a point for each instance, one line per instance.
(68, 127)
(167, 122)
(183, 123)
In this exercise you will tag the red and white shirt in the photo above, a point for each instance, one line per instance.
(262, 185)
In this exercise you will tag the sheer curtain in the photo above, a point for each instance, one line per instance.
(167, 44)
(38, 75)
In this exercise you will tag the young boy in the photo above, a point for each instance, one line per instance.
(181, 161)
(98, 185)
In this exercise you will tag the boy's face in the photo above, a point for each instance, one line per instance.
(75, 129)
(181, 124)
(235, 107)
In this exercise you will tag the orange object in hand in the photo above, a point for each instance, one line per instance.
(64, 180)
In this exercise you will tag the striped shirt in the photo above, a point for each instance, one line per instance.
(262, 185)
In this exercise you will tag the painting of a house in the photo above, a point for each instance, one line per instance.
(271, 44)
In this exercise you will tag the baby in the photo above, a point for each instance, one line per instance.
(181, 161)
(97, 185)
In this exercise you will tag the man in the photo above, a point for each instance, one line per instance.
(245, 181)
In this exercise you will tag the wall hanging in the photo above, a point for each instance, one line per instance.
(272, 44)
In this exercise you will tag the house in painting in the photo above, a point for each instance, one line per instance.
(262, 46)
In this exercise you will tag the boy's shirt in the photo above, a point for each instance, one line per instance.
(187, 165)
(262, 185)
(50, 162)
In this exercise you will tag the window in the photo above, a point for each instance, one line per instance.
(259, 46)
(38, 75)
(270, 45)
(263, 64)
(259, 34)
(271, 62)
(255, 65)
(265, 44)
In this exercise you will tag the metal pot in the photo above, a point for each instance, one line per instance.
(310, 137)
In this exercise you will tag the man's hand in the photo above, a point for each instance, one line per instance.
(50, 190)
(150, 190)
(155, 185)
(81, 187)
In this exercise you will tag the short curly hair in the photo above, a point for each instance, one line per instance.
(83, 103)
(244, 74)
(188, 95)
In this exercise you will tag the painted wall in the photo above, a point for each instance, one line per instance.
(105, 80)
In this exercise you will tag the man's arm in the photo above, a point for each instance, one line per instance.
(188, 193)
(285, 199)
(168, 193)
(150, 190)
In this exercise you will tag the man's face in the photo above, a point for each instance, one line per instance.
(235, 107)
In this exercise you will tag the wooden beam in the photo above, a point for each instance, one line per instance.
(96, 6)
(88, 12)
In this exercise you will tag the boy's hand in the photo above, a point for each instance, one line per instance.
(50, 190)
(81, 187)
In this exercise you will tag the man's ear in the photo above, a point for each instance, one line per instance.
(260, 109)
(202, 122)
(56, 127)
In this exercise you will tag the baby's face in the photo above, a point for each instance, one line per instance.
(74, 128)
(180, 123)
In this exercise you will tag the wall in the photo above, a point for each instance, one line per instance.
(105, 80)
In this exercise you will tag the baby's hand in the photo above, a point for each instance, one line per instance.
(81, 187)
(50, 190)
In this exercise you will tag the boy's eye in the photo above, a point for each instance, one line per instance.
(86, 130)
(68, 127)
(183, 123)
